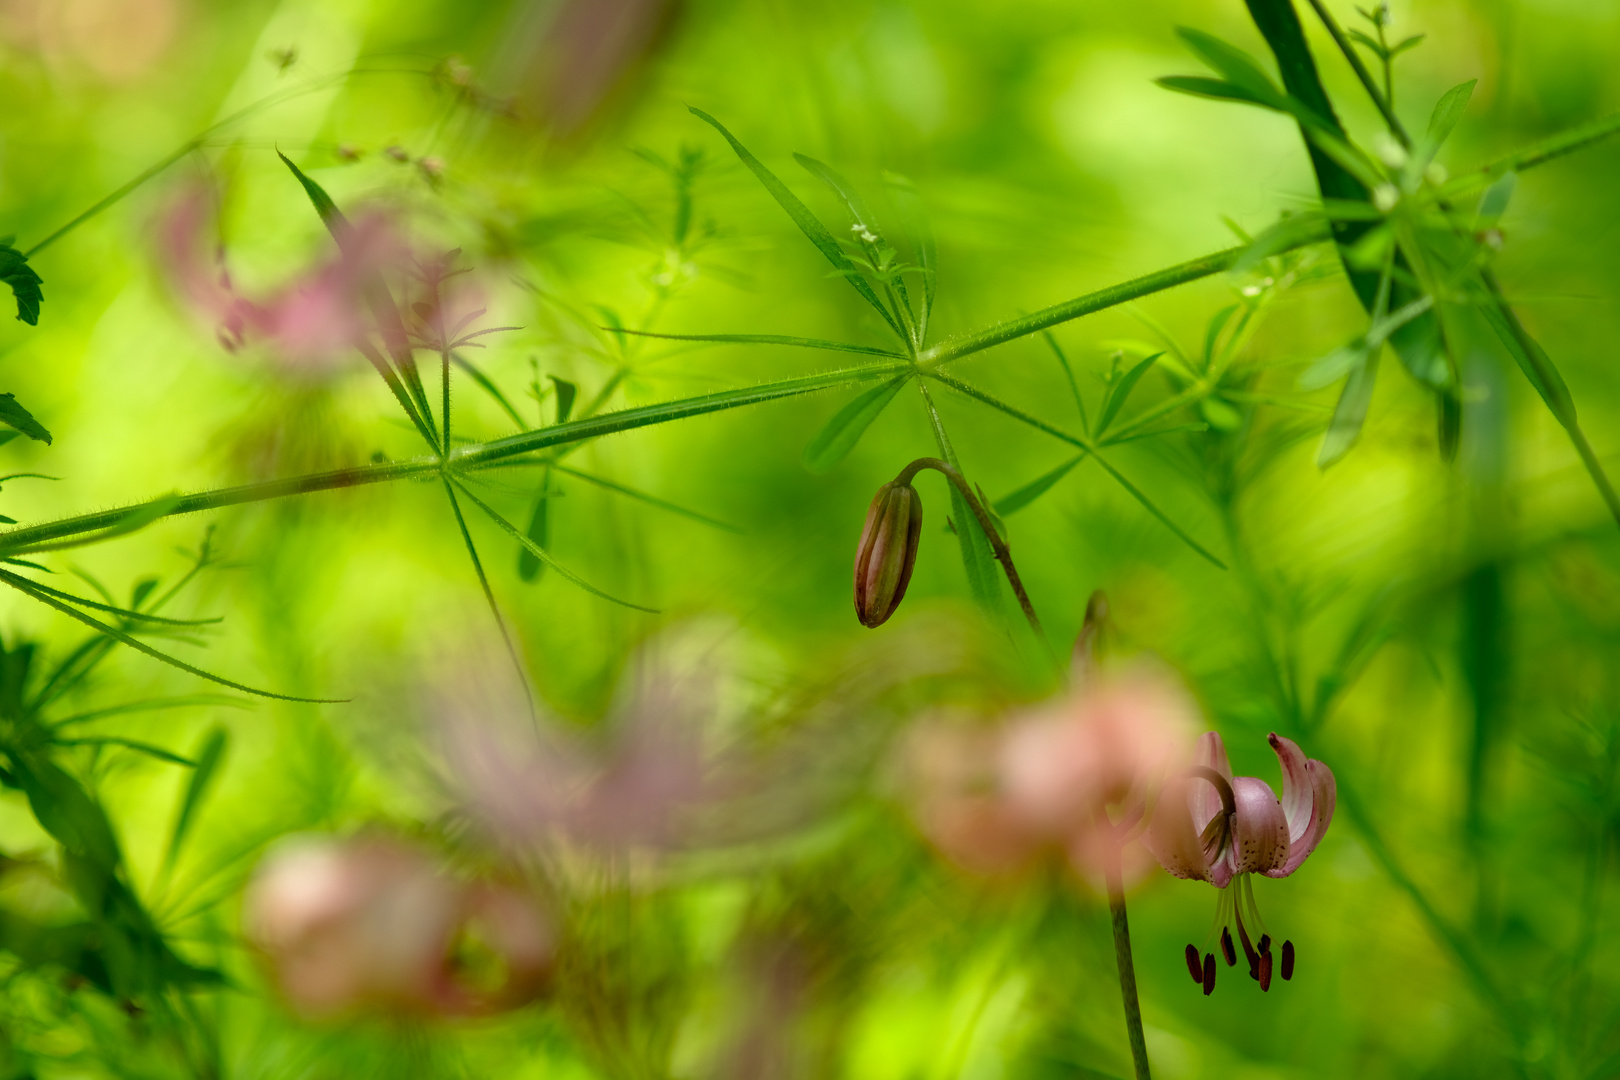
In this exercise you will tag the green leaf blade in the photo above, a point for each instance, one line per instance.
(24, 282)
(834, 441)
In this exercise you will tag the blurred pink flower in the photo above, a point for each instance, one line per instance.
(309, 323)
(636, 792)
(1211, 826)
(372, 923)
(1075, 775)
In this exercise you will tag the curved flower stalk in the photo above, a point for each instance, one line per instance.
(373, 924)
(1211, 826)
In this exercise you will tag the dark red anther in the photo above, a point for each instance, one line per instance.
(1288, 960)
(1227, 948)
(1265, 944)
(1265, 971)
(1194, 965)
(1209, 974)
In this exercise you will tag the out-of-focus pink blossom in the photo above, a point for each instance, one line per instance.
(312, 321)
(1073, 776)
(374, 924)
(638, 791)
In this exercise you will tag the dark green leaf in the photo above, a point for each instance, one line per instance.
(130, 744)
(1534, 362)
(977, 560)
(566, 392)
(209, 757)
(1494, 202)
(650, 500)
(807, 222)
(1017, 500)
(486, 384)
(1121, 391)
(529, 564)
(1147, 504)
(834, 441)
(324, 206)
(1239, 68)
(15, 416)
(1216, 89)
(25, 284)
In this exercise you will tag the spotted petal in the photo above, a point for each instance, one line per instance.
(1324, 795)
(1171, 835)
(1259, 829)
(1297, 791)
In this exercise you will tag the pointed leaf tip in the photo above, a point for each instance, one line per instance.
(25, 283)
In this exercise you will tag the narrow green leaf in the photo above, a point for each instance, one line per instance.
(1533, 360)
(1240, 69)
(130, 744)
(25, 284)
(1017, 500)
(1121, 391)
(919, 235)
(807, 222)
(1345, 427)
(529, 564)
(650, 500)
(15, 416)
(1148, 505)
(124, 613)
(834, 441)
(540, 553)
(1074, 387)
(65, 810)
(773, 339)
(486, 384)
(324, 206)
(29, 588)
(566, 393)
(844, 190)
(1494, 202)
(209, 757)
(1214, 89)
(1447, 112)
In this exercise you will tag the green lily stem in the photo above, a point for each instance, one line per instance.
(1127, 969)
(997, 545)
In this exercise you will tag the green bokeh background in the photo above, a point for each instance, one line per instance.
(1435, 940)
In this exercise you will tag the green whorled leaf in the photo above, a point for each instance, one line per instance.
(1537, 366)
(1074, 387)
(487, 384)
(25, 284)
(324, 206)
(807, 222)
(529, 564)
(65, 810)
(1015, 501)
(1238, 67)
(543, 555)
(1345, 427)
(903, 193)
(149, 749)
(1447, 112)
(1373, 250)
(128, 614)
(1288, 233)
(566, 393)
(7, 436)
(1212, 332)
(845, 191)
(15, 416)
(1334, 366)
(834, 441)
(1215, 89)
(773, 339)
(210, 755)
(1148, 505)
(650, 500)
(1121, 391)
(29, 588)
(1494, 202)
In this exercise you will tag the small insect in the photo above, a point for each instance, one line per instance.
(283, 58)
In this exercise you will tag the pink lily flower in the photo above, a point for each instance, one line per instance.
(1211, 826)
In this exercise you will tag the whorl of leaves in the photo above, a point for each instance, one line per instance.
(15, 271)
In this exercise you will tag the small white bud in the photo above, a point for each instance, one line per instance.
(1436, 173)
(1385, 196)
(1389, 151)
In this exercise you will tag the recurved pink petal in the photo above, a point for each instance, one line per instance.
(1206, 801)
(1324, 795)
(1297, 792)
(1171, 835)
(1259, 829)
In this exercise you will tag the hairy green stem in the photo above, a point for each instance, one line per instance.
(997, 545)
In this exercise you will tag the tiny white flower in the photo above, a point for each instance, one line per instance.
(1436, 173)
(1389, 151)
(1385, 196)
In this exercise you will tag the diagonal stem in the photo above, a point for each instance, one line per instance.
(1122, 956)
(1379, 98)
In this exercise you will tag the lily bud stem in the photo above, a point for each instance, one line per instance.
(1127, 970)
(997, 545)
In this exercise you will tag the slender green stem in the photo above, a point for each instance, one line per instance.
(997, 545)
(1127, 969)
(1379, 98)
(1135, 289)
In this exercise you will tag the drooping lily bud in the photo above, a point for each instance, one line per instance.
(887, 552)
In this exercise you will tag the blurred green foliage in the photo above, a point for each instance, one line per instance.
(1443, 633)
